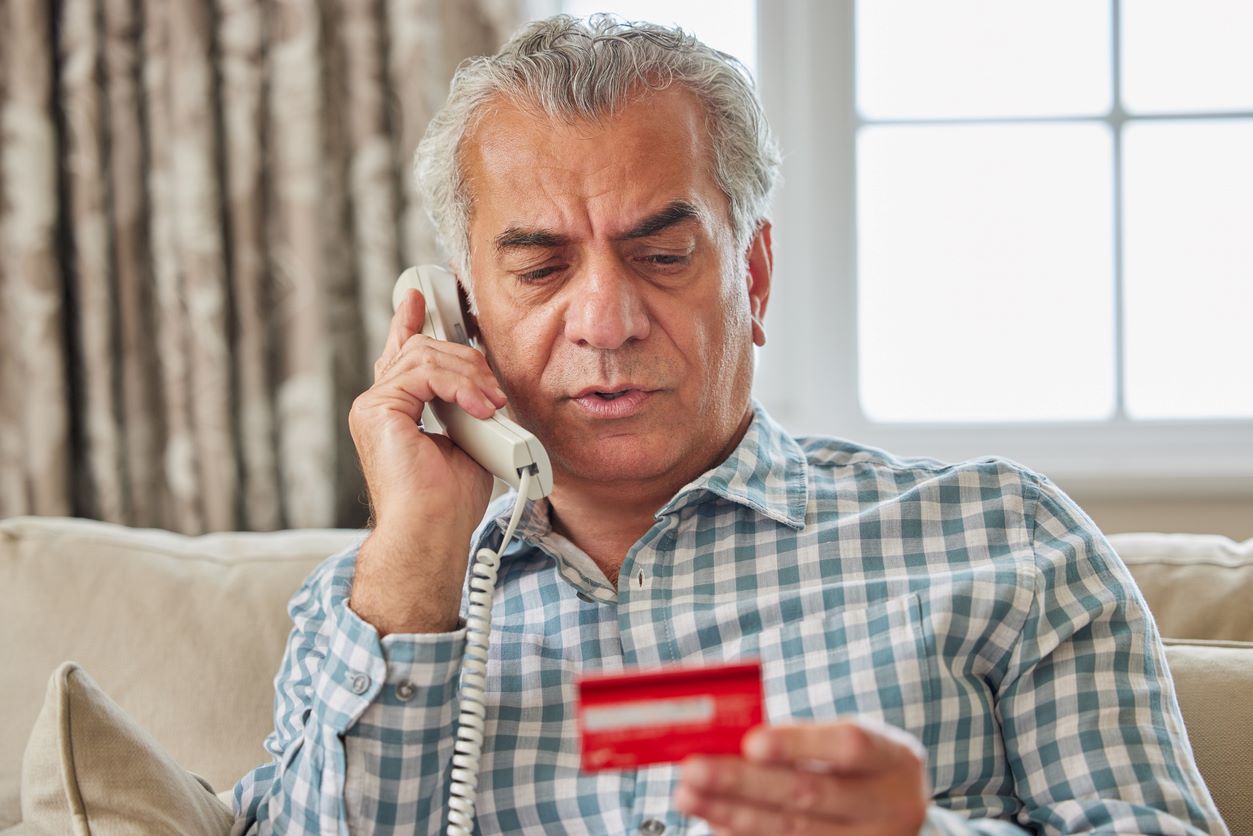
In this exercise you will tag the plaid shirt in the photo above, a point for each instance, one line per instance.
(973, 605)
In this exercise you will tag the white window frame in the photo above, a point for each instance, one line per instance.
(807, 375)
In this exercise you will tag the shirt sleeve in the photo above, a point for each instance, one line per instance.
(1092, 730)
(346, 704)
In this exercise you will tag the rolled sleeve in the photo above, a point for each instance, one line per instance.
(1093, 732)
(347, 706)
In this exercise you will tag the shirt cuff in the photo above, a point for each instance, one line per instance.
(418, 669)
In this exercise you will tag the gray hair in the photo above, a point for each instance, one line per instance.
(579, 70)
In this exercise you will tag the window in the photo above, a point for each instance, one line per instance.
(1014, 227)
(1017, 228)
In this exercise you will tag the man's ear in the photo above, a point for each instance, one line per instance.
(760, 270)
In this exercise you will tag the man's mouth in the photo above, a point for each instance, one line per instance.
(614, 401)
(609, 393)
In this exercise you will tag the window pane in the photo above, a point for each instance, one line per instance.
(985, 284)
(1188, 262)
(920, 58)
(1187, 56)
(728, 25)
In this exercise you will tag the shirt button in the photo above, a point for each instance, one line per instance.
(652, 827)
(360, 683)
(405, 691)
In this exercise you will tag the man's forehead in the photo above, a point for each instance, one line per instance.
(526, 170)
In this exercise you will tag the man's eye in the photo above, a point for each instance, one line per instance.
(666, 260)
(538, 275)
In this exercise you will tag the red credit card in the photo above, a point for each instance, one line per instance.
(635, 719)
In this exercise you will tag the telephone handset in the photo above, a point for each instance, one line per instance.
(510, 453)
(502, 447)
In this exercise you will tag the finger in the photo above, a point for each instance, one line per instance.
(844, 747)
(781, 786)
(481, 370)
(438, 382)
(730, 816)
(407, 320)
(423, 356)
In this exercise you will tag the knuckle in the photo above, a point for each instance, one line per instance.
(426, 358)
(856, 741)
(795, 824)
(805, 791)
(359, 417)
(726, 775)
(744, 819)
(414, 341)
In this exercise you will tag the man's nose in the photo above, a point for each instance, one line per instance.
(606, 310)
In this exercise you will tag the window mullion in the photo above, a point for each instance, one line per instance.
(1116, 119)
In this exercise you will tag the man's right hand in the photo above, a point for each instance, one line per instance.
(427, 495)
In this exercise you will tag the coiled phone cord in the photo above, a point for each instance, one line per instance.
(468, 748)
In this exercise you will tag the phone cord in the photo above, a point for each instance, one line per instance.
(468, 748)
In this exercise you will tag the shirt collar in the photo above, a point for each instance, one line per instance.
(532, 526)
(765, 472)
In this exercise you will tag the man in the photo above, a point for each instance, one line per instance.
(945, 646)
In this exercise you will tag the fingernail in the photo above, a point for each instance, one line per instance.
(758, 746)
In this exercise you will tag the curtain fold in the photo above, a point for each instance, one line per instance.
(241, 39)
(128, 208)
(34, 403)
(204, 207)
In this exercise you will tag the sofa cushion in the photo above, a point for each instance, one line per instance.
(1214, 681)
(90, 770)
(1198, 586)
(185, 633)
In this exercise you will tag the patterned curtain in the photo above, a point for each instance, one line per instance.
(203, 206)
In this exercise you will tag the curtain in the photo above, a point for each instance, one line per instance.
(203, 206)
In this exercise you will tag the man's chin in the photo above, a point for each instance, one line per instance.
(624, 458)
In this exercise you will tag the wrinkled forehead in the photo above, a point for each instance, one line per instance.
(649, 125)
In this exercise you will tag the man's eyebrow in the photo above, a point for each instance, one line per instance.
(676, 212)
(515, 238)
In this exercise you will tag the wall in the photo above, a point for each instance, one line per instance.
(1229, 515)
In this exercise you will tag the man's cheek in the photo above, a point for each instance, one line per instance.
(504, 358)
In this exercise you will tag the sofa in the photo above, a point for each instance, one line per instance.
(186, 634)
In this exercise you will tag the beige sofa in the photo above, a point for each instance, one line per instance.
(186, 634)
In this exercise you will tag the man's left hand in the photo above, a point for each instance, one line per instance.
(846, 776)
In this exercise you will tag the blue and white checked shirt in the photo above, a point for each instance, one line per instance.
(973, 605)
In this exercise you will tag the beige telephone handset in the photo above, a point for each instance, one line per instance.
(502, 447)
(510, 453)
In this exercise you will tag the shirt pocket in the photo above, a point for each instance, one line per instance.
(530, 683)
(872, 661)
(531, 779)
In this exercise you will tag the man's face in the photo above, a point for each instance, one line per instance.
(612, 303)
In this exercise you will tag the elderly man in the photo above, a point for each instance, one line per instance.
(945, 646)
